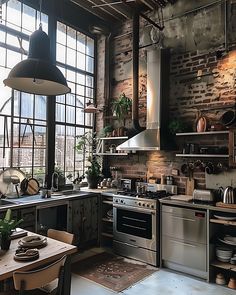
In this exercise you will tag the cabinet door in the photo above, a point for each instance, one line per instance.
(29, 219)
(85, 221)
(232, 148)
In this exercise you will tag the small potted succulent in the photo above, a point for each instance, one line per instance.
(7, 225)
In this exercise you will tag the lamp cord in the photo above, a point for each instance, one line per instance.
(40, 13)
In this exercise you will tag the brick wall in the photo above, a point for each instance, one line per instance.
(190, 96)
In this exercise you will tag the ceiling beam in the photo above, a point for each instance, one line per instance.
(118, 8)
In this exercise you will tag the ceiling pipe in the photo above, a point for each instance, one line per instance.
(135, 47)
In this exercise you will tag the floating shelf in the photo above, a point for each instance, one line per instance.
(112, 154)
(224, 265)
(202, 155)
(114, 137)
(202, 133)
(225, 222)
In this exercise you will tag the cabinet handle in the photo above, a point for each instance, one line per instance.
(182, 218)
(184, 244)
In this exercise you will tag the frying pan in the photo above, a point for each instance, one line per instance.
(229, 117)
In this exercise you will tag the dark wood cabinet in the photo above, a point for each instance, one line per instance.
(85, 221)
(232, 148)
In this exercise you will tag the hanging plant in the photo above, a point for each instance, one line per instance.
(121, 106)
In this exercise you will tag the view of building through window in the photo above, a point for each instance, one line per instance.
(75, 58)
(23, 116)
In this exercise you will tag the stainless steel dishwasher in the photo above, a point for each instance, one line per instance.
(184, 240)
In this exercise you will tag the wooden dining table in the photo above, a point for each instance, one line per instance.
(51, 252)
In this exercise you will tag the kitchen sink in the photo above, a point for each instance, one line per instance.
(4, 202)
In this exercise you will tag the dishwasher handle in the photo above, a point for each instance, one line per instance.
(183, 244)
(184, 218)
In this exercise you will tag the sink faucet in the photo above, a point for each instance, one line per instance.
(53, 188)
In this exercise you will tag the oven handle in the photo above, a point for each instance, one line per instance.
(135, 209)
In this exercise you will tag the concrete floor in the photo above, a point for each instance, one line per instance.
(161, 282)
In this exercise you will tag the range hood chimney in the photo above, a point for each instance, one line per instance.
(155, 137)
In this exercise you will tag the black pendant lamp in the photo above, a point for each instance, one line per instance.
(37, 74)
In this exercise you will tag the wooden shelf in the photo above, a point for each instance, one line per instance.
(112, 154)
(107, 220)
(114, 138)
(108, 202)
(202, 155)
(223, 265)
(225, 222)
(107, 235)
(202, 133)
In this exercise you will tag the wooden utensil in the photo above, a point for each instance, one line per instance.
(190, 183)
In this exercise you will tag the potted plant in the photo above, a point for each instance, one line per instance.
(121, 106)
(7, 225)
(87, 144)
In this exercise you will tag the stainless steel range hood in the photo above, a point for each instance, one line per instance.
(155, 137)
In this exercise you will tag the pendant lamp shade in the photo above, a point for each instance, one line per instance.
(37, 74)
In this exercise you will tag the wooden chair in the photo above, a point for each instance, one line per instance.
(62, 236)
(46, 280)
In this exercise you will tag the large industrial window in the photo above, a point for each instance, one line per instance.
(75, 58)
(22, 116)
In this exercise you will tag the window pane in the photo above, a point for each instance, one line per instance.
(89, 64)
(70, 114)
(22, 157)
(60, 113)
(40, 107)
(28, 19)
(6, 93)
(80, 42)
(61, 33)
(80, 61)
(80, 116)
(89, 81)
(71, 57)
(90, 47)
(27, 100)
(12, 58)
(60, 146)
(61, 53)
(71, 38)
(14, 14)
(70, 150)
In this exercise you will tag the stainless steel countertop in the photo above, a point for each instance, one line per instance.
(191, 204)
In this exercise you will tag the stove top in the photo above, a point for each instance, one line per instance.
(147, 195)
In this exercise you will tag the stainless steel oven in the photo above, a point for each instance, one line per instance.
(135, 228)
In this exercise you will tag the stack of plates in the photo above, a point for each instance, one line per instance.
(229, 240)
(224, 254)
(33, 241)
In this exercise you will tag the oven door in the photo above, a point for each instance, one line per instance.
(135, 226)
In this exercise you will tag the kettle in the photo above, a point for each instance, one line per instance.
(228, 197)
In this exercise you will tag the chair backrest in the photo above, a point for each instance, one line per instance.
(62, 236)
(30, 280)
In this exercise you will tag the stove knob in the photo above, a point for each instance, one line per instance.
(121, 201)
(116, 201)
(140, 204)
(143, 205)
(152, 206)
(148, 205)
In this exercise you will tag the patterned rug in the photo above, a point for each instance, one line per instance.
(114, 272)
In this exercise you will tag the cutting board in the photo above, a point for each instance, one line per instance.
(184, 198)
(190, 183)
(223, 205)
